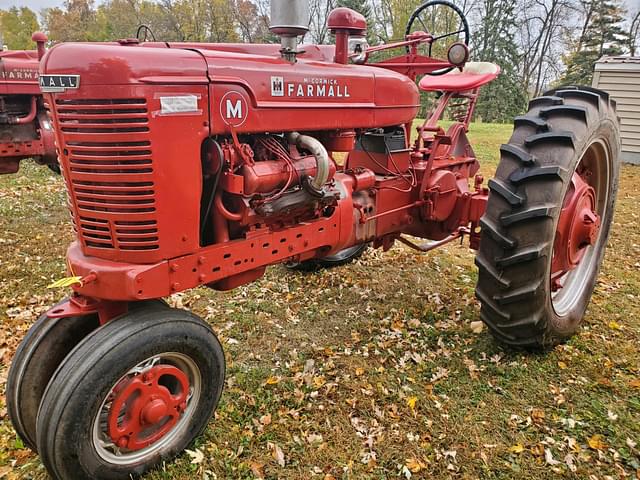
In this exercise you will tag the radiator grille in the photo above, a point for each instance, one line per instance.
(108, 151)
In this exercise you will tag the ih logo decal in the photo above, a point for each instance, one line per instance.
(234, 108)
(277, 86)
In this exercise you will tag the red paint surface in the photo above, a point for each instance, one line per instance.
(136, 179)
(27, 136)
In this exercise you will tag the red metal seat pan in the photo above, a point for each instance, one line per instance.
(472, 76)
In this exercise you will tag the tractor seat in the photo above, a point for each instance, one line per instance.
(472, 76)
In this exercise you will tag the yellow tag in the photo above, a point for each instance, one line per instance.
(65, 282)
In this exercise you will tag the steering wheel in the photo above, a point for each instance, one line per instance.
(445, 22)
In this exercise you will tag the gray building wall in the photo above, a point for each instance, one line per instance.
(620, 76)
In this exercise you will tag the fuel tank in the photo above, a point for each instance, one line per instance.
(251, 89)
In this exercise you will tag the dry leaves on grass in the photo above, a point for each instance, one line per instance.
(277, 453)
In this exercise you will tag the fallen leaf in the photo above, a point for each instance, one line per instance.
(196, 455)
(265, 419)
(319, 381)
(537, 415)
(414, 323)
(397, 325)
(596, 442)
(562, 365)
(604, 382)
(359, 371)
(277, 453)
(517, 448)
(548, 457)
(257, 469)
(614, 325)
(314, 438)
(569, 460)
(477, 327)
(635, 383)
(411, 402)
(272, 380)
(573, 444)
(414, 465)
(537, 449)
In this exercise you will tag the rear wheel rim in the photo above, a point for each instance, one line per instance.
(568, 288)
(113, 449)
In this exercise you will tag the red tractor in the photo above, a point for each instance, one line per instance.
(25, 130)
(202, 164)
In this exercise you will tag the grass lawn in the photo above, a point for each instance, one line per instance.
(372, 371)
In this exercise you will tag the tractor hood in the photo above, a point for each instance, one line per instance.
(19, 72)
(128, 62)
(117, 64)
(251, 88)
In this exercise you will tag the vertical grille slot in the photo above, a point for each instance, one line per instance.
(108, 152)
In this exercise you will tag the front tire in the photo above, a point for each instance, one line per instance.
(41, 351)
(44, 347)
(55, 168)
(132, 394)
(566, 145)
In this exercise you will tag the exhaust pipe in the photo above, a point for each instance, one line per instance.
(314, 184)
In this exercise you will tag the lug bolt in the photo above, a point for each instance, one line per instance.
(123, 442)
(147, 377)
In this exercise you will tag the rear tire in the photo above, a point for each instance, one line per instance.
(72, 440)
(343, 257)
(563, 129)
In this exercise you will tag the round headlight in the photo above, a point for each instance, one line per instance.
(458, 54)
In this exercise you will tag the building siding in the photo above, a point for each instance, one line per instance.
(620, 77)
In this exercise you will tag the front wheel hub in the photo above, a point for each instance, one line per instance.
(147, 406)
(578, 227)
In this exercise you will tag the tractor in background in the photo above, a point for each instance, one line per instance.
(202, 164)
(25, 130)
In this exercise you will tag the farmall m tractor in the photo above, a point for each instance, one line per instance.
(25, 130)
(202, 164)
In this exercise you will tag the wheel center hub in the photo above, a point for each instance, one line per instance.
(154, 411)
(578, 228)
(146, 406)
